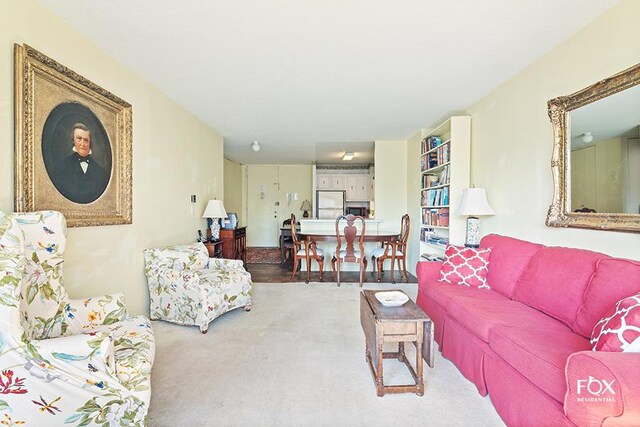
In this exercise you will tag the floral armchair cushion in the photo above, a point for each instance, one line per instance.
(84, 362)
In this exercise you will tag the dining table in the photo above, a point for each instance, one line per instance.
(390, 237)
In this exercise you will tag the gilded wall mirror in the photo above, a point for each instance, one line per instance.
(596, 155)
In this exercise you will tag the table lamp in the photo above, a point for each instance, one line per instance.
(305, 208)
(214, 212)
(474, 203)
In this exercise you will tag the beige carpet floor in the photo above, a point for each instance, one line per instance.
(297, 359)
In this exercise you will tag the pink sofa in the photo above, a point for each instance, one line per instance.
(525, 342)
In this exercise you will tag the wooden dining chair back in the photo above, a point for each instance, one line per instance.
(386, 251)
(286, 242)
(303, 249)
(349, 253)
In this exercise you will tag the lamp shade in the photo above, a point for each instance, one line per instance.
(474, 202)
(306, 206)
(214, 209)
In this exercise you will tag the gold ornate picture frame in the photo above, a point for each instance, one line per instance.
(559, 109)
(73, 144)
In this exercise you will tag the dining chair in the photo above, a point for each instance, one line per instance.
(286, 243)
(379, 255)
(303, 249)
(349, 253)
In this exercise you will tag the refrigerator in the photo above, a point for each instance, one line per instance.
(330, 203)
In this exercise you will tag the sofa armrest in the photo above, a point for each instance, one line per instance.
(427, 272)
(84, 353)
(603, 388)
(83, 315)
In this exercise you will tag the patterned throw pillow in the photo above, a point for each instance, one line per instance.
(619, 329)
(465, 266)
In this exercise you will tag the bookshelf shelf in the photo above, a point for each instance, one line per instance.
(444, 163)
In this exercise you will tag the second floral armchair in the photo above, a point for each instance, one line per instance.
(189, 288)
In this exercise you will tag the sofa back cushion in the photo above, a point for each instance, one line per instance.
(555, 281)
(509, 258)
(613, 280)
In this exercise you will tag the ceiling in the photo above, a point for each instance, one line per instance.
(308, 77)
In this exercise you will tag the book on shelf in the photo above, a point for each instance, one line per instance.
(431, 257)
(435, 217)
(435, 197)
(430, 143)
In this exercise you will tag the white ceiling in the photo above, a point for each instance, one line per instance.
(302, 76)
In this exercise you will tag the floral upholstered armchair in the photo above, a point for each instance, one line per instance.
(64, 361)
(189, 288)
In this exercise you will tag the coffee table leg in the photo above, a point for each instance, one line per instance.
(419, 366)
(401, 355)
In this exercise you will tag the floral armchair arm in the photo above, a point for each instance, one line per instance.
(225, 264)
(85, 315)
(85, 355)
(603, 388)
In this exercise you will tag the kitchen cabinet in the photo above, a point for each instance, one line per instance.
(358, 188)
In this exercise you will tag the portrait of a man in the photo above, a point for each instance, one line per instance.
(77, 154)
(73, 146)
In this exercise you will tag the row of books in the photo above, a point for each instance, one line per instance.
(437, 197)
(429, 143)
(436, 179)
(437, 217)
(432, 257)
(428, 236)
(436, 158)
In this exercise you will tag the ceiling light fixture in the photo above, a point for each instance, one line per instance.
(348, 155)
(255, 146)
(587, 137)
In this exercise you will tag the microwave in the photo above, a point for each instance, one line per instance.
(357, 210)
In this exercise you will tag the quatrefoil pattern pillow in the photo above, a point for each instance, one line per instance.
(465, 266)
(619, 329)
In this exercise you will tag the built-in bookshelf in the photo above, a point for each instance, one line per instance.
(444, 165)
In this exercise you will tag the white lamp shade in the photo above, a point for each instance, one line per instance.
(214, 209)
(474, 202)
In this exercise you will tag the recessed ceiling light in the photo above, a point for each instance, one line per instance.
(255, 146)
(348, 155)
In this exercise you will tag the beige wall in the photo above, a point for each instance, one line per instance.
(413, 200)
(234, 188)
(174, 155)
(391, 182)
(512, 137)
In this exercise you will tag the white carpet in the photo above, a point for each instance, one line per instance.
(297, 359)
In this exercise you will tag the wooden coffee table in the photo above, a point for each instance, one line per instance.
(406, 323)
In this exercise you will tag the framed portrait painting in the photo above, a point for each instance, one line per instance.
(73, 144)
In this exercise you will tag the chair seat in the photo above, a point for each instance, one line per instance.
(302, 252)
(343, 253)
(380, 251)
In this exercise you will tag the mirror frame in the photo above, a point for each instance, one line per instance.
(559, 109)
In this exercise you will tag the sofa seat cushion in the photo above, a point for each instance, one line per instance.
(539, 354)
(556, 280)
(443, 292)
(479, 316)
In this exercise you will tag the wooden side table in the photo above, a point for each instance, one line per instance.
(406, 323)
(214, 248)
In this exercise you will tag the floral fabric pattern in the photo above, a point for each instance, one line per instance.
(64, 361)
(188, 288)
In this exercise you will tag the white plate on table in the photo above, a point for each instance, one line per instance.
(391, 298)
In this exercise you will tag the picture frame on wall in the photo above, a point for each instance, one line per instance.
(73, 144)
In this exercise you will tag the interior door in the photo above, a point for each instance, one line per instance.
(262, 199)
